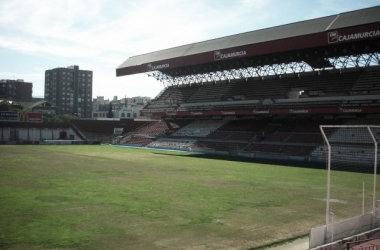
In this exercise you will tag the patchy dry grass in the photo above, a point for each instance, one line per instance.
(102, 197)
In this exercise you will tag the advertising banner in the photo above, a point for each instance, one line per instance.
(8, 116)
(13, 116)
(30, 117)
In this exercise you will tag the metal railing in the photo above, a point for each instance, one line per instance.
(351, 245)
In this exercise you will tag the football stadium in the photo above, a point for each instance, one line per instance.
(256, 140)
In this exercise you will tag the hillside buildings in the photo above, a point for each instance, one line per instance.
(70, 89)
(125, 108)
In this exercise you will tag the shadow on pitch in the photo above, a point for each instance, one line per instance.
(287, 163)
(341, 166)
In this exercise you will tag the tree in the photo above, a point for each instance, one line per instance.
(26, 110)
(4, 106)
(61, 119)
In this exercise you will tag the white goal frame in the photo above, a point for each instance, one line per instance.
(329, 163)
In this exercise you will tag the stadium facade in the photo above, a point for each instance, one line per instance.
(259, 94)
(265, 93)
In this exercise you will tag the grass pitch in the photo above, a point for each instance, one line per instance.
(104, 197)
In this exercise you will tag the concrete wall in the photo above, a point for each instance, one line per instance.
(36, 134)
(334, 236)
(351, 241)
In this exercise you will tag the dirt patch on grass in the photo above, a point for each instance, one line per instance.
(331, 200)
(56, 199)
(124, 181)
(299, 244)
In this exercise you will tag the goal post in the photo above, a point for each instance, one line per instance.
(351, 159)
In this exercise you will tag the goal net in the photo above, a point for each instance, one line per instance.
(351, 158)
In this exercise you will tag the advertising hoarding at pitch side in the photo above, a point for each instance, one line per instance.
(8, 116)
(30, 117)
(13, 116)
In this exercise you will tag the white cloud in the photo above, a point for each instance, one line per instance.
(99, 39)
(328, 7)
(45, 46)
(147, 26)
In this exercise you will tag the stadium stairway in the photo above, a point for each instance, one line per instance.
(78, 131)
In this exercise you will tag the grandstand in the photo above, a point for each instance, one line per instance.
(103, 130)
(265, 93)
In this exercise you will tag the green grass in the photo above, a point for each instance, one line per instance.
(103, 197)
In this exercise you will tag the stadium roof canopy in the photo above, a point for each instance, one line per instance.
(312, 41)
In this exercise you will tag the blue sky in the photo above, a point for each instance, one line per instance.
(98, 35)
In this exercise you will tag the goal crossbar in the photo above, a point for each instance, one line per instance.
(368, 127)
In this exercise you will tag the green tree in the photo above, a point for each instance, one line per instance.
(61, 119)
(26, 110)
(4, 106)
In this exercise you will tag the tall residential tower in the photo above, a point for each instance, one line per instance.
(70, 89)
